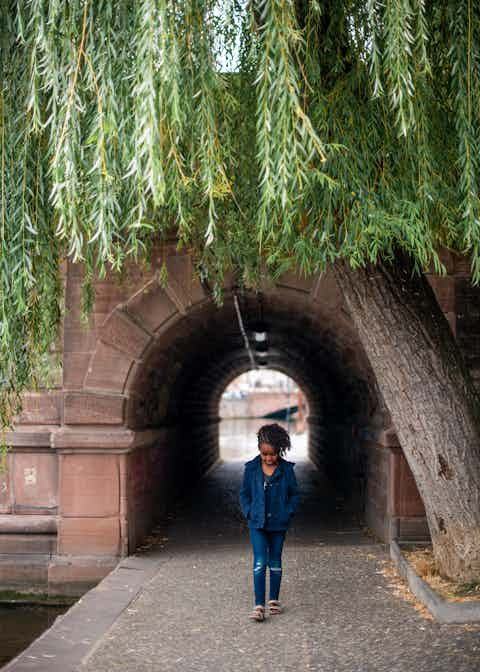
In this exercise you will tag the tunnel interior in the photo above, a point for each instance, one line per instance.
(180, 384)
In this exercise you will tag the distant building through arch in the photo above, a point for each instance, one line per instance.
(256, 398)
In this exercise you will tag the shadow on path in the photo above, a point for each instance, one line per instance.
(340, 613)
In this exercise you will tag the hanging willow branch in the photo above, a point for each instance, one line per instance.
(465, 64)
(273, 133)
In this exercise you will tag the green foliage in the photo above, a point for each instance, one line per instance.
(265, 136)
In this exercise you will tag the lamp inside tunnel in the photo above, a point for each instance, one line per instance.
(259, 330)
(260, 336)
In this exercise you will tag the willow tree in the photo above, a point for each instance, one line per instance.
(264, 135)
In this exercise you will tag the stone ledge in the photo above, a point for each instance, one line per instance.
(27, 545)
(74, 575)
(19, 571)
(94, 438)
(28, 438)
(97, 438)
(72, 638)
(442, 610)
(29, 524)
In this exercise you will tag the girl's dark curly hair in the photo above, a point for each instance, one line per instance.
(276, 436)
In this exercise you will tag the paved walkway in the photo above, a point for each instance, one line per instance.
(340, 612)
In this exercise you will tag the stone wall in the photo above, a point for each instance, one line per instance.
(460, 301)
(394, 509)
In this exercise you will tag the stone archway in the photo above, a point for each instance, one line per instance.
(143, 380)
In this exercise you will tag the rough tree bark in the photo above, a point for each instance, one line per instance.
(431, 398)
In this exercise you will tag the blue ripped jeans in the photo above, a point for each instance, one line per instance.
(267, 550)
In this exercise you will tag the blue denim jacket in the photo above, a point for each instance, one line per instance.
(285, 494)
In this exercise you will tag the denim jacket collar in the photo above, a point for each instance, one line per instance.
(278, 471)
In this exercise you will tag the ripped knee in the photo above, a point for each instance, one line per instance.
(275, 565)
(259, 565)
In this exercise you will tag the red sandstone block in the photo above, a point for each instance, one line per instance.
(102, 409)
(122, 332)
(109, 293)
(89, 485)
(152, 307)
(99, 320)
(75, 367)
(24, 572)
(40, 408)
(78, 570)
(108, 369)
(404, 498)
(78, 337)
(75, 270)
(29, 544)
(462, 265)
(35, 477)
(28, 524)
(72, 292)
(5, 495)
(89, 536)
(24, 437)
(412, 529)
(108, 438)
(447, 259)
(444, 288)
(183, 278)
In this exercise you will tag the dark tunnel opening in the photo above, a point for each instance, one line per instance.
(180, 386)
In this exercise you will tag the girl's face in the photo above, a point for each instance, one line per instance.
(268, 454)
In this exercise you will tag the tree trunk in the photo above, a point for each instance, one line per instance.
(431, 398)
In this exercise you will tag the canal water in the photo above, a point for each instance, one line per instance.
(238, 438)
(20, 624)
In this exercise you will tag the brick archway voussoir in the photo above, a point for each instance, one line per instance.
(122, 342)
(125, 341)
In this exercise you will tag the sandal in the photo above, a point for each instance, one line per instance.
(258, 614)
(274, 607)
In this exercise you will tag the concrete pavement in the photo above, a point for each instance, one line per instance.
(182, 603)
(340, 613)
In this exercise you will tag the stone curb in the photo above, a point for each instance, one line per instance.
(73, 637)
(442, 610)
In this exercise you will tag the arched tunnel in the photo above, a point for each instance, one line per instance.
(99, 460)
(181, 382)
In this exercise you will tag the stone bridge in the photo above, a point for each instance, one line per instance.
(95, 460)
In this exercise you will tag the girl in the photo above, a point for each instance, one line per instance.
(268, 497)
